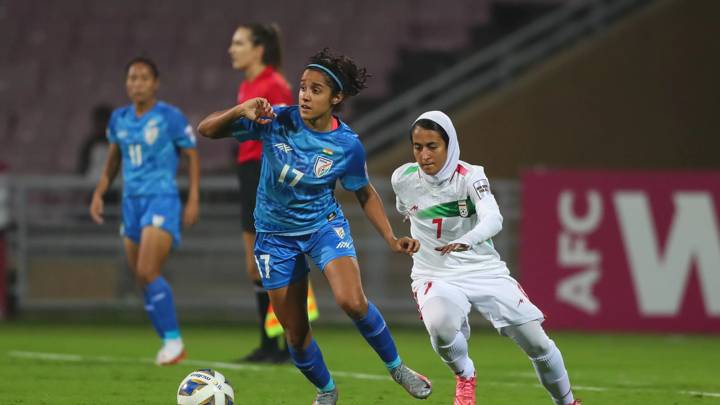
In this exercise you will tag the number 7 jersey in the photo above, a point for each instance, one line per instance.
(446, 213)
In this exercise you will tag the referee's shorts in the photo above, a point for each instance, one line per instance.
(248, 176)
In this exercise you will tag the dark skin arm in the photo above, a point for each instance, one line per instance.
(371, 203)
(192, 205)
(217, 124)
(112, 166)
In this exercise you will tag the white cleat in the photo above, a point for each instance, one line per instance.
(172, 352)
(326, 398)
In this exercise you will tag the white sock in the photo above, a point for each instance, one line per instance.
(455, 355)
(551, 372)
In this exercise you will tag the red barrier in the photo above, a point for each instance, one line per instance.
(3, 277)
(606, 250)
(4, 220)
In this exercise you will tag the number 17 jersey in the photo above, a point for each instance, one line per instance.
(299, 169)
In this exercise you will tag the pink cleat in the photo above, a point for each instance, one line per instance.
(465, 390)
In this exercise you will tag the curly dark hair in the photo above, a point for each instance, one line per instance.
(351, 76)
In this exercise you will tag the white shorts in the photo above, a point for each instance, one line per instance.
(499, 298)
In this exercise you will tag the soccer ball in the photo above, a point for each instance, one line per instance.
(205, 387)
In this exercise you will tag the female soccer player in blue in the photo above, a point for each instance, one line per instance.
(146, 137)
(305, 150)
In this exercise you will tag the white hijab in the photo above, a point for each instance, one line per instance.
(453, 148)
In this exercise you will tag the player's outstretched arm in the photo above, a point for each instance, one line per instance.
(372, 205)
(110, 170)
(217, 124)
(192, 205)
(489, 218)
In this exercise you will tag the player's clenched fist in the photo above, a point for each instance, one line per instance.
(406, 245)
(257, 109)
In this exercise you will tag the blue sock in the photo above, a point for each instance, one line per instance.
(377, 334)
(161, 298)
(150, 309)
(310, 362)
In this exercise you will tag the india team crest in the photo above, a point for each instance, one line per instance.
(151, 132)
(322, 166)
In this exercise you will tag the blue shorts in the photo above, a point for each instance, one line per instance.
(281, 259)
(161, 211)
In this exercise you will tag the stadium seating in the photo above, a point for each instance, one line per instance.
(59, 58)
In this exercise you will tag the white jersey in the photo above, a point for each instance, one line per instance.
(459, 210)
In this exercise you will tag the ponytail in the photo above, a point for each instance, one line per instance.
(269, 37)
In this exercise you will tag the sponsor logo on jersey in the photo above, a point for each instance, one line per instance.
(151, 132)
(343, 245)
(462, 207)
(283, 147)
(190, 133)
(482, 188)
(322, 166)
(340, 232)
(158, 220)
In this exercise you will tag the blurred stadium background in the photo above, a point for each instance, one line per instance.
(533, 86)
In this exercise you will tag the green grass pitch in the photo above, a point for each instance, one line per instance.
(55, 363)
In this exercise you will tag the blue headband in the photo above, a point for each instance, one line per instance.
(329, 73)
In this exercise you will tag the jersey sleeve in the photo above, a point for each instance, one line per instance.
(244, 129)
(395, 182)
(181, 132)
(489, 217)
(355, 176)
(111, 131)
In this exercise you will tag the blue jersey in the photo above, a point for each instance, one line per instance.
(149, 146)
(299, 169)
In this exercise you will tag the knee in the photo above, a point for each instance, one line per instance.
(442, 329)
(146, 275)
(531, 338)
(538, 347)
(296, 337)
(355, 307)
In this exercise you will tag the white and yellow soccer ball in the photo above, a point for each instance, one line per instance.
(205, 387)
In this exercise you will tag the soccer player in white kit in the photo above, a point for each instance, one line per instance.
(454, 215)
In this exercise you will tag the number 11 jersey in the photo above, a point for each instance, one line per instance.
(149, 147)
